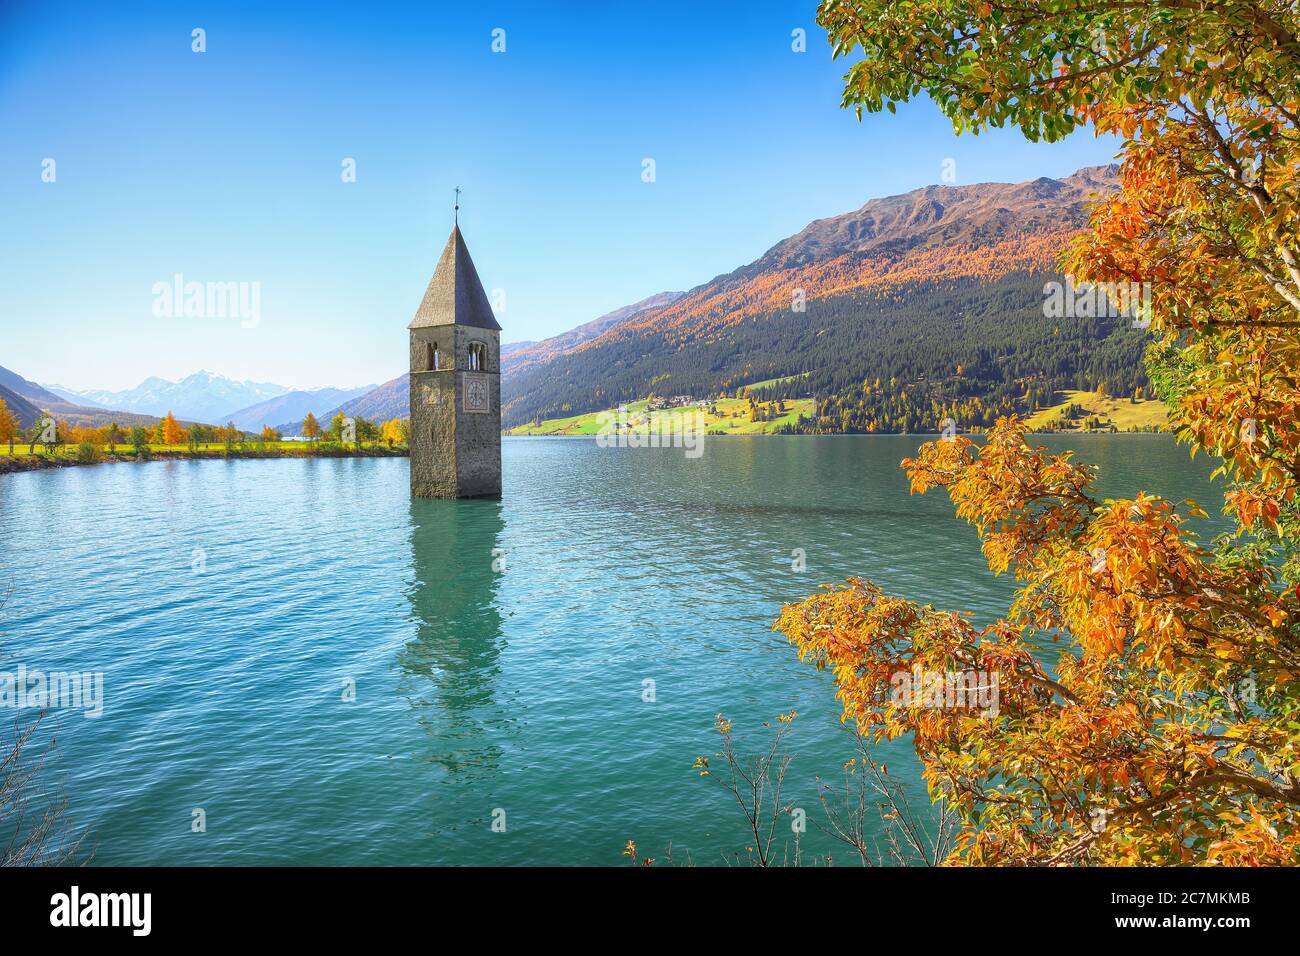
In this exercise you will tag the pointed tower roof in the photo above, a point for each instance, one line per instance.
(455, 295)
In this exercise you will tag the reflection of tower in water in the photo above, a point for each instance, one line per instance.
(450, 668)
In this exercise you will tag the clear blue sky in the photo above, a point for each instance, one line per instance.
(225, 166)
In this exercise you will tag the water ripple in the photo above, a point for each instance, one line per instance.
(236, 607)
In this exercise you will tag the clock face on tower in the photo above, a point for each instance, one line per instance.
(477, 395)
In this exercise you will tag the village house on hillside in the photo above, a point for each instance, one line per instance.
(675, 401)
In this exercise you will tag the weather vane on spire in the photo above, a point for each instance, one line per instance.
(455, 212)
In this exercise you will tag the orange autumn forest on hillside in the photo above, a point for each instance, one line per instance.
(885, 275)
(1166, 732)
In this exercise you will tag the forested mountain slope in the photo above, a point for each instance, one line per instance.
(894, 316)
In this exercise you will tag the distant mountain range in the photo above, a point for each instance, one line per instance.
(208, 397)
(28, 401)
(70, 395)
(905, 311)
(203, 396)
(293, 406)
(379, 404)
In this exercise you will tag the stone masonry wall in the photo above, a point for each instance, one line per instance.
(455, 452)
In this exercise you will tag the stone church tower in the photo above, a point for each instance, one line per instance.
(455, 384)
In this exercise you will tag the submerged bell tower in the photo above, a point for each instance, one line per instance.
(455, 383)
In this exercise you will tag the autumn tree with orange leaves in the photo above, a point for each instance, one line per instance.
(171, 430)
(1168, 731)
(310, 427)
(8, 425)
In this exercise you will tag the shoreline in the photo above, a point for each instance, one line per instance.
(1098, 431)
(18, 463)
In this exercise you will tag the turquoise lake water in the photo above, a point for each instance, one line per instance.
(230, 606)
